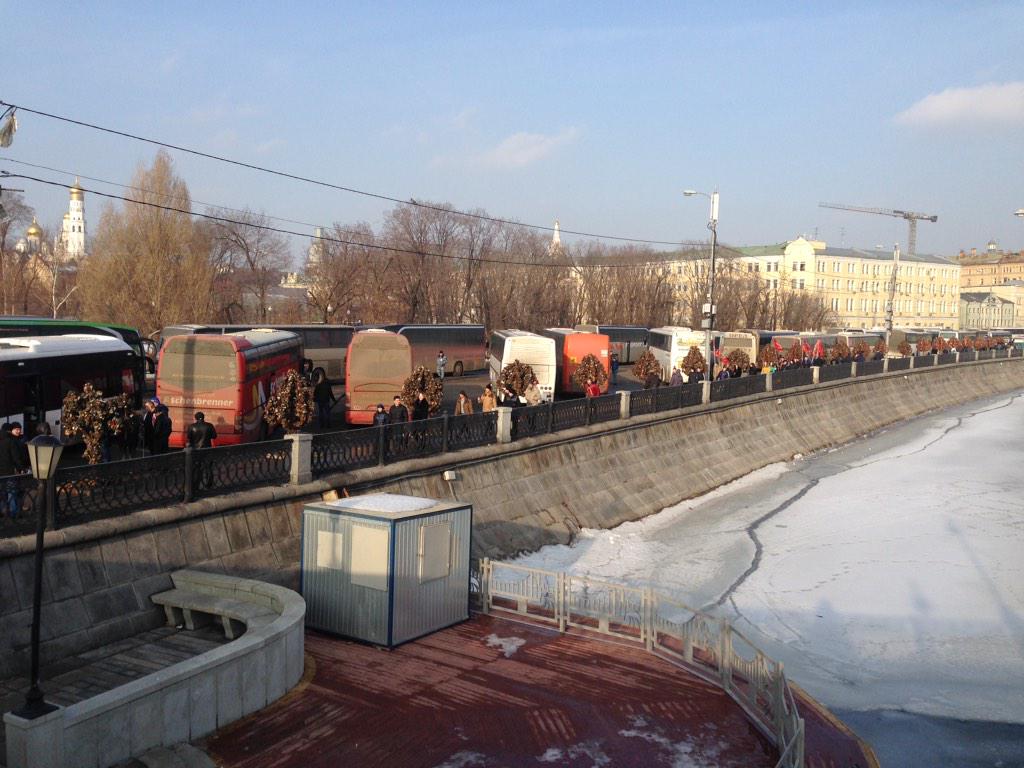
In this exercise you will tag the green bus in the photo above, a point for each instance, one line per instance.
(143, 368)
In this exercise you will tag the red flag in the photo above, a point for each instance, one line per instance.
(775, 343)
(725, 362)
(718, 354)
(807, 348)
(819, 349)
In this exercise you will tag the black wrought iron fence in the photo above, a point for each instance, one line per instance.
(21, 502)
(642, 401)
(605, 408)
(691, 394)
(835, 372)
(472, 430)
(924, 361)
(345, 450)
(985, 354)
(414, 439)
(95, 491)
(968, 355)
(870, 367)
(792, 377)
(568, 414)
(899, 364)
(727, 389)
(531, 421)
(946, 358)
(233, 467)
(1016, 352)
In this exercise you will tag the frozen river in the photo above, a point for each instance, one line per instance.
(888, 575)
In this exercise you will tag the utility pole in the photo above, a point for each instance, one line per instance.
(889, 305)
(708, 310)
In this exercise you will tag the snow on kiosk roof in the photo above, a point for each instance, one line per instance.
(59, 346)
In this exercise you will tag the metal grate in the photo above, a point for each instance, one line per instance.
(742, 386)
(924, 361)
(531, 421)
(835, 372)
(349, 449)
(21, 502)
(985, 354)
(870, 367)
(472, 430)
(605, 408)
(946, 358)
(899, 364)
(568, 414)
(413, 440)
(233, 467)
(792, 377)
(102, 490)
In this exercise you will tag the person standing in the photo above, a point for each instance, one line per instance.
(677, 378)
(380, 416)
(421, 408)
(156, 427)
(442, 361)
(533, 394)
(592, 389)
(323, 396)
(201, 434)
(13, 461)
(463, 406)
(488, 401)
(398, 414)
(615, 368)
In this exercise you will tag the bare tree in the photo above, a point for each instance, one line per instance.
(341, 282)
(149, 266)
(250, 259)
(15, 277)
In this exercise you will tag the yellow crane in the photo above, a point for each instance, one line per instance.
(911, 217)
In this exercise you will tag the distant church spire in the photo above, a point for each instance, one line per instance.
(556, 238)
(73, 228)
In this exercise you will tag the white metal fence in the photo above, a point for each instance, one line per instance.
(703, 644)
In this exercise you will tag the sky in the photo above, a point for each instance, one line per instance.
(595, 114)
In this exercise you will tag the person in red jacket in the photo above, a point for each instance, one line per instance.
(592, 389)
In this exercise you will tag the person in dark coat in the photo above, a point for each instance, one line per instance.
(380, 416)
(398, 414)
(156, 427)
(201, 434)
(13, 461)
(324, 397)
(652, 380)
(421, 408)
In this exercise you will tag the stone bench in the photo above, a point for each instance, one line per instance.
(196, 609)
(187, 700)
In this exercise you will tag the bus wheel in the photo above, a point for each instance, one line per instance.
(457, 370)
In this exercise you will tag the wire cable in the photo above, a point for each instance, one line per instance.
(327, 184)
(340, 241)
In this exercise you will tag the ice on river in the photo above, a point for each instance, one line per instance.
(891, 571)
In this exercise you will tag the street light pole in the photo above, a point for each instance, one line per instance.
(890, 305)
(709, 309)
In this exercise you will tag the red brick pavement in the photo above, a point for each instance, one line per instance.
(452, 700)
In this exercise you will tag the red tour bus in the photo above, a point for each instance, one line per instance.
(571, 347)
(226, 377)
(376, 367)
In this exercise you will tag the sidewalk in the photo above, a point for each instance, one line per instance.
(492, 692)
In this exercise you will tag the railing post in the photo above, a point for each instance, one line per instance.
(551, 415)
(725, 653)
(485, 584)
(779, 706)
(705, 393)
(302, 457)
(504, 425)
(815, 374)
(444, 433)
(560, 601)
(912, 362)
(381, 443)
(624, 404)
(768, 383)
(190, 491)
(650, 622)
(885, 364)
(853, 370)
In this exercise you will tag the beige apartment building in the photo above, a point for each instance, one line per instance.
(992, 288)
(855, 282)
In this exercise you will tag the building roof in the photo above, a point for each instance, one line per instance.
(884, 255)
(762, 250)
(976, 296)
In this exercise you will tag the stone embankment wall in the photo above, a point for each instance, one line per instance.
(525, 494)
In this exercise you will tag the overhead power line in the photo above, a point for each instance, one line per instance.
(327, 184)
(330, 239)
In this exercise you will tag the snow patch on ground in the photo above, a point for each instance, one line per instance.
(464, 759)
(588, 749)
(507, 645)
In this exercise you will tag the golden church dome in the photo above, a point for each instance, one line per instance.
(33, 229)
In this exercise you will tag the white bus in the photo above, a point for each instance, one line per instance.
(37, 371)
(531, 349)
(670, 345)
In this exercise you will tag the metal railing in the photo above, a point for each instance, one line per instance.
(741, 386)
(924, 361)
(699, 642)
(835, 372)
(870, 367)
(899, 364)
(946, 358)
(21, 502)
(531, 421)
(792, 377)
(235, 467)
(346, 450)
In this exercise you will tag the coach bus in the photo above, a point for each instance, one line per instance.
(570, 348)
(727, 342)
(36, 372)
(325, 346)
(465, 346)
(226, 376)
(626, 341)
(530, 349)
(378, 363)
(144, 349)
(671, 343)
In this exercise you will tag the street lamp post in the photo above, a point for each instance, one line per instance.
(44, 455)
(708, 323)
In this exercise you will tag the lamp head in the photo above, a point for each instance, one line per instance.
(44, 455)
(1019, 213)
(689, 192)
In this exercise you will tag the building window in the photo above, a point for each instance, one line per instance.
(835, 305)
(849, 305)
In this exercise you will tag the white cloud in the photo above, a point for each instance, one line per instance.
(521, 149)
(984, 104)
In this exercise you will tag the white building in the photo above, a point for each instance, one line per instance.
(72, 235)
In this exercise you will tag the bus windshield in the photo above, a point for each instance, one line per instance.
(199, 365)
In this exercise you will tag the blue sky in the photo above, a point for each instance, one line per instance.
(595, 114)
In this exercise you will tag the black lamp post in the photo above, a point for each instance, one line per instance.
(44, 454)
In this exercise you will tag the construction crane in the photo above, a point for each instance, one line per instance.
(911, 217)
